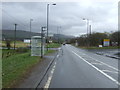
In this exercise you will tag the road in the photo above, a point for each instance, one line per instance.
(77, 68)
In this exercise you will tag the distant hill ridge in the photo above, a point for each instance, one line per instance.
(20, 35)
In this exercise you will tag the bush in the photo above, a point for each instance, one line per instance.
(8, 44)
(22, 50)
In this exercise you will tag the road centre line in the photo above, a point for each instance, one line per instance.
(109, 77)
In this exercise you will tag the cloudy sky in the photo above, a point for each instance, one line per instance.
(103, 16)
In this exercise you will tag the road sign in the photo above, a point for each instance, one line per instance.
(106, 42)
(26, 40)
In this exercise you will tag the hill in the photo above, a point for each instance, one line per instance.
(20, 35)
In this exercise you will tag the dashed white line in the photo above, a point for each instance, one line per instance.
(109, 71)
(57, 56)
(97, 63)
(97, 69)
(59, 49)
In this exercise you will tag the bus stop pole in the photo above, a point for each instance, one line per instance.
(42, 42)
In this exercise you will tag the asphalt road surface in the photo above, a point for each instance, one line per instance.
(77, 68)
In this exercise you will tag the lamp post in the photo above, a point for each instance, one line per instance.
(48, 22)
(87, 25)
(42, 35)
(30, 30)
(87, 30)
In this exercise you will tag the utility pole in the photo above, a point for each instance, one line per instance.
(47, 24)
(30, 31)
(15, 36)
(90, 35)
(87, 28)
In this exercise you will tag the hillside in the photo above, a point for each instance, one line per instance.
(9, 34)
(20, 35)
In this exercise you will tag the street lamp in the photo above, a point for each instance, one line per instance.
(87, 25)
(48, 22)
(30, 30)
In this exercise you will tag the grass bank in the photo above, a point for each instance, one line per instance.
(16, 65)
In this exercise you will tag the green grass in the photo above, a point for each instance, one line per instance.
(6, 53)
(16, 66)
(54, 45)
(110, 47)
(49, 51)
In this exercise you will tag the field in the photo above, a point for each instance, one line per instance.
(22, 44)
(18, 44)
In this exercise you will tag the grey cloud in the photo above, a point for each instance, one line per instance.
(68, 15)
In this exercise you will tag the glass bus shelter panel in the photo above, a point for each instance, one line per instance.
(36, 47)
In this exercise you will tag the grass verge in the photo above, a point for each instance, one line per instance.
(49, 51)
(100, 47)
(16, 66)
(54, 45)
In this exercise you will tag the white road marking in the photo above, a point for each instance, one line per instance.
(100, 61)
(59, 49)
(109, 71)
(96, 63)
(50, 77)
(57, 56)
(97, 69)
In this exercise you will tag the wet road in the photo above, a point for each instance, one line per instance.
(77, 68)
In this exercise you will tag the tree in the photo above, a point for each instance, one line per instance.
(97, 38)
(115, 37)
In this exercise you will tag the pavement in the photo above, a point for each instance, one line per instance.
(78, 68)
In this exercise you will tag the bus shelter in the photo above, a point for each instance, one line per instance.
(37, 46)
